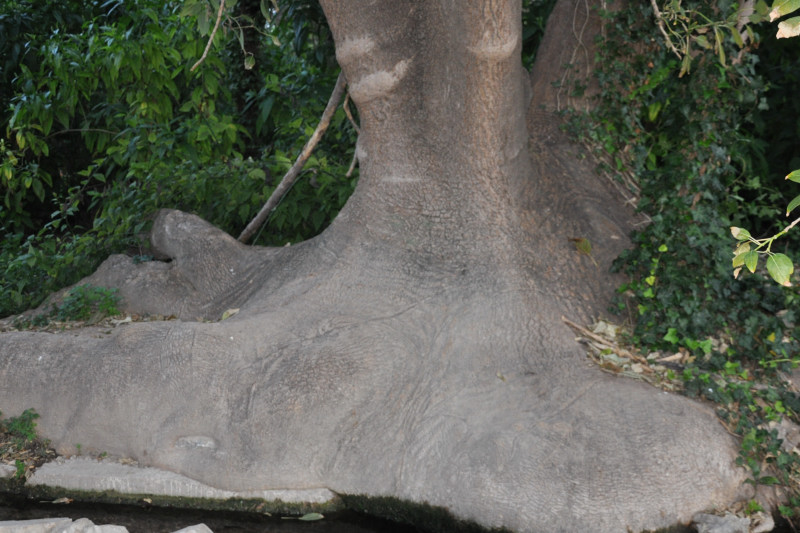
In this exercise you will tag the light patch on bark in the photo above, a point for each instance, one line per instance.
(494, 50)
(354, 48)
(196, 441)
(400, 178)
(378, 83)
(361, 152)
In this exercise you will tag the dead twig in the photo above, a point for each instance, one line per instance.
(605, 342)
(349, 114)
(660, 22)
(211, 37)
(358, 132)
(291, 176)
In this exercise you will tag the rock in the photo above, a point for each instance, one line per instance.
(87, 474)
(57, 525)
(198, 528)
(709, 523)
(43, 525)
(7, 471)
(82, 525)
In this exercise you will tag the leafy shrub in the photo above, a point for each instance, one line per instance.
(700, 149)
(705, 145)
(107, 124)
(22, 428)
(85, 301)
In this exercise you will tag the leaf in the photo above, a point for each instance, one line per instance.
(737, 37)
(740, 234)
(229, 313)
(583, 246)
(671, 336)
(783, 7)
(751, 261)
(738, 260)
(702, 41)
(743, 248)
(310, 517)
(794, 203)
(780, 267)
(788, 28)
(249, 62)
(718, 46)
(794, 176)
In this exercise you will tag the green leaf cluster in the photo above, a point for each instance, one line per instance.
(703, 152)
(705, 155)
(106, 123)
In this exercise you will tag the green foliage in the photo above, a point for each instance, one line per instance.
(22, 428)
(86, 301)
(705, 151)
(106, 124)
(534, 19)
(699, 147)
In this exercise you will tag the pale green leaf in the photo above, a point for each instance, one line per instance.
(738, 260)
(780, 267)
(782, 8)
(671, 336)
(737, 37)
(229, 313)
(718, 46)
(751, 261)
(788, 28)
(794, 203)
(743, 248)
(249, 62)
(702, 41)
(794, 176)
(740, 234)
(310, 517)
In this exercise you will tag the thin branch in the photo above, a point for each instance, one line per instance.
(84, 130)
(358, 132)
(660, 21)
(291, 176)
(605, 342)
(785, 230)
(211, 37)
(352, 165)
(349, 114)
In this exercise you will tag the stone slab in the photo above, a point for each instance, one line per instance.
(88, 474)
(7, 471)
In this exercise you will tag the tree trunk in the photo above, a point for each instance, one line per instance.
(415, 349)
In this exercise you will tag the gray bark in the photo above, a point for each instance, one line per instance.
(414, 349)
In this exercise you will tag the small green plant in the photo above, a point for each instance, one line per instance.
(86, 301)
(22, 428)
(20, 466)
(779, 266)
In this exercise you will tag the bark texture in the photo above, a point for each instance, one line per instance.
(415, 349)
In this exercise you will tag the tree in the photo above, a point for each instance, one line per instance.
(416, 348)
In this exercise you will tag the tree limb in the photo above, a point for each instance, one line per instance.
(291, 176)
(211, 37)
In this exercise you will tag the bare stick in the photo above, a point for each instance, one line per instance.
(211, 37)
(291, 176)
(597, 338)
(660, 20)
(358, 132)
(349, 114)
